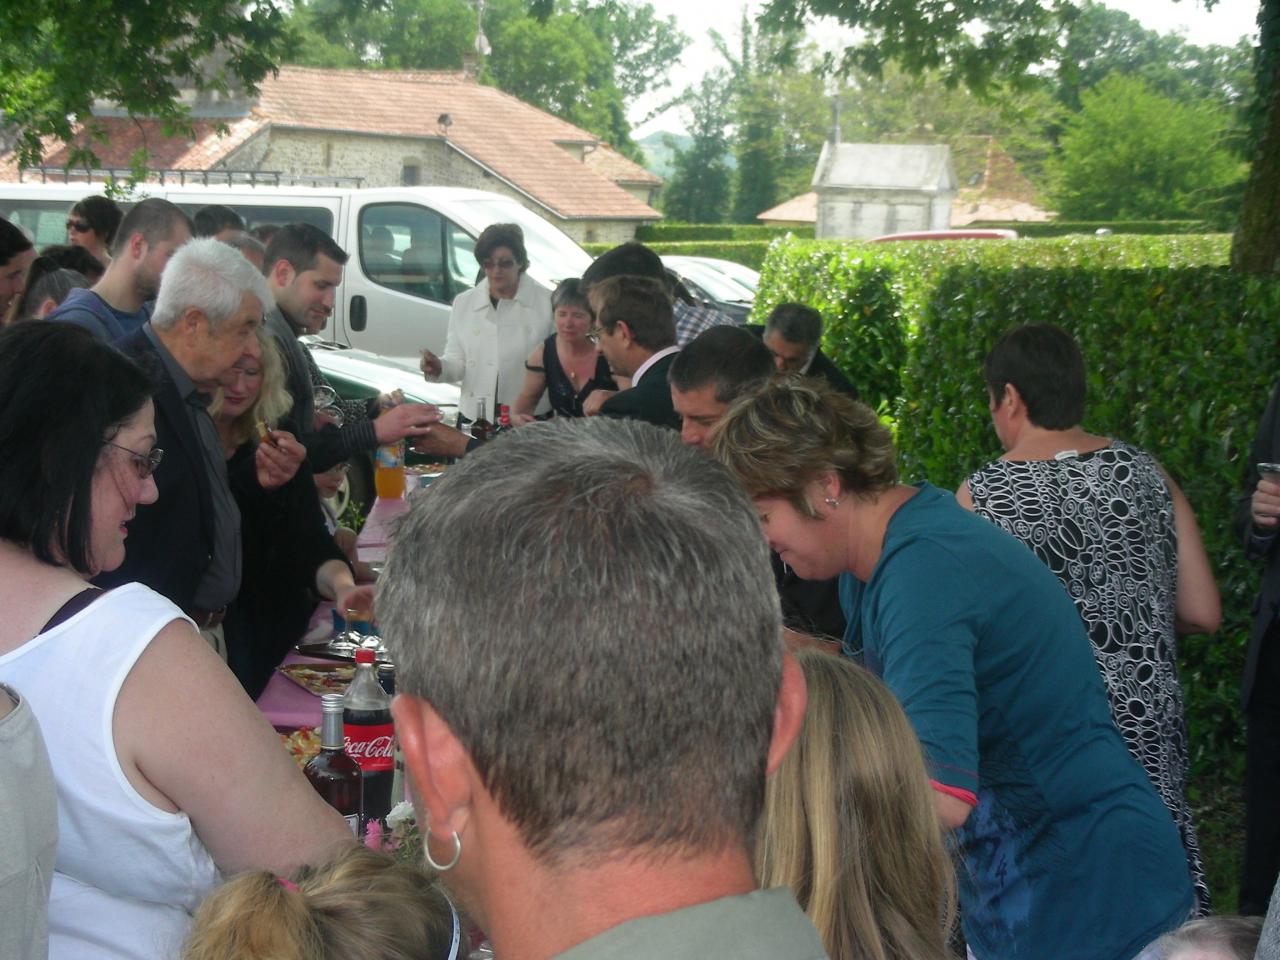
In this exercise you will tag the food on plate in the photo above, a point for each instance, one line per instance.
(302, 744)
(319, 678)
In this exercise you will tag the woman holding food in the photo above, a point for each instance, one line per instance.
(289, 558)
(493, 326)
(166, 773)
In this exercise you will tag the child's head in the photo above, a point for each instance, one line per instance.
(361, 905)
(328, 482)
(1212, 938)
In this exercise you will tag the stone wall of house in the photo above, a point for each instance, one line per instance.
(382, 162)
(862, 214)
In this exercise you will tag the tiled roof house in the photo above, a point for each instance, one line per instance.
(389, 128)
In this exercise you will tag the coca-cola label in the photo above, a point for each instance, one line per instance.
(370, 746)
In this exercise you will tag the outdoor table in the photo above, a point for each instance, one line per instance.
(285, 704)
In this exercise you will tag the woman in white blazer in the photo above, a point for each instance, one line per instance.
(493, 326)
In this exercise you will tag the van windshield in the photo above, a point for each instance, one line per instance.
(553, 256)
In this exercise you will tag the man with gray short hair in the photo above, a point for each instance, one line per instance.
(793, 334)
(118, 304)
(589, 742)
(186, 545)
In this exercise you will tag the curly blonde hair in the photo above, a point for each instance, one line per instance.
(362, 905)
(849, 823)
(273, 400)
(793, 431)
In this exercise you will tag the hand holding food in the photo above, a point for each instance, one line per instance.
(430, 364)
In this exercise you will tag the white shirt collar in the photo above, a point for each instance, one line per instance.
(644, 367)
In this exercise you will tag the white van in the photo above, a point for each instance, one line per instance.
(410, 248)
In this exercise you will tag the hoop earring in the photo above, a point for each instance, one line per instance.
(442, 867)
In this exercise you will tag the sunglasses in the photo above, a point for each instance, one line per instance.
(498, 264)
(144, 463)
(79, 226)
(595, 333)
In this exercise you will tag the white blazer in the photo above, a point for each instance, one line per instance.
(486, 348)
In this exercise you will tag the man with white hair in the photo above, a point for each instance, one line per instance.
(186, 545)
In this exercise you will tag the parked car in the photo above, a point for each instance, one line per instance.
(410, 248)
(357, 374)
(738, 272)
(711, 287)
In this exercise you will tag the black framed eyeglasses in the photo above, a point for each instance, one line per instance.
(503, 264)
(144, 463)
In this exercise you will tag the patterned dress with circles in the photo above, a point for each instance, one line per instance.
(1103, 523)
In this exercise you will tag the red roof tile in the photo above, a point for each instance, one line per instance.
(514, 140)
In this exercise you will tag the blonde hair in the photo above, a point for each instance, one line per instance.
(793, 431)
(362, 905)
(850, 826)
(273, 400)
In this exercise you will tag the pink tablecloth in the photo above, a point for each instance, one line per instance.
(283, 702)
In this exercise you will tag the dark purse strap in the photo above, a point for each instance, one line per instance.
(72, 607)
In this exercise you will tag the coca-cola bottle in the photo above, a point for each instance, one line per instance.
(335, 775)
(504, 419)
(368, 732)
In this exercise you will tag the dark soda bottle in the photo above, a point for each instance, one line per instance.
(481, 428)
(368, 735)
(335, 775)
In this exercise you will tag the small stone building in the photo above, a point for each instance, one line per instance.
(869, 189)
(382, 128)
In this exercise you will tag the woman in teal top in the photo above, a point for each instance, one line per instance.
(1068, 852)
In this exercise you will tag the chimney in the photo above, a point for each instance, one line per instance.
(470, 65)
(834, 136)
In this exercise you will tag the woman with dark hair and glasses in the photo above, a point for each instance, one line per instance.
(494, 326)
(566, 366)
(1115, 529)
(166, 773)
(92, 224)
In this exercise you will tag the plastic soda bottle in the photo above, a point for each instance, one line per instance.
(388, 470)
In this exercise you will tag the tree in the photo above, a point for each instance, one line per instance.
(698, 191)
(1132, 154)
(58, 57)
(977, 42)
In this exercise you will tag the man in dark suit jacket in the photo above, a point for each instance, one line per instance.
(1256, 524)
(186, 545)
(636, 333)
(793, 334)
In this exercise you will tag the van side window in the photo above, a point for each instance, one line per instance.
(464, 269)
(401, 248)
(259, 214)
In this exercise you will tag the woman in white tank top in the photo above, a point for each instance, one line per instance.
(166, 774)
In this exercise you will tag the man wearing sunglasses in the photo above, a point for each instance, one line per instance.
(120, 303)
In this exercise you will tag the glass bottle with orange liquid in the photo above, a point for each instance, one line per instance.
(388, 467)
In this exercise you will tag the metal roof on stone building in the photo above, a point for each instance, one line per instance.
(884, 166)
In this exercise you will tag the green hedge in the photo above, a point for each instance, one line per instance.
(750, 253)
(675, 232)
(1181, 358)
(1062, 228)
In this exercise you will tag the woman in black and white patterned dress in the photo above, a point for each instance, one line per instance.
(1118, 533)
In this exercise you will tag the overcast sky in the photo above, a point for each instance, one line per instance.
(1227, 22)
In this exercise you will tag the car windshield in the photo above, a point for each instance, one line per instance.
(717, 284)
(553, 256)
